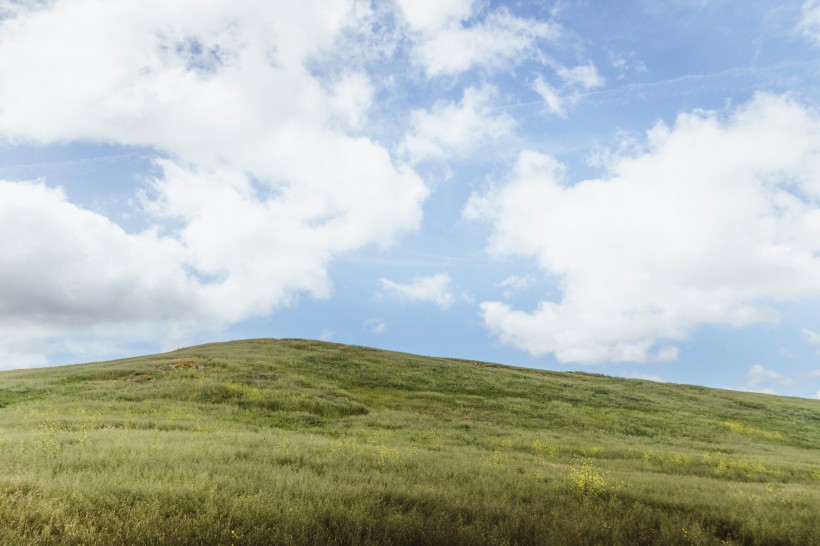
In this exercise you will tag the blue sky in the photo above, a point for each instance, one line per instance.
(627, 188)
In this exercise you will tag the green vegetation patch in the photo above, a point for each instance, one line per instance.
(303, 442)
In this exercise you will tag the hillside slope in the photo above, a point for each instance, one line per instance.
(304, 442)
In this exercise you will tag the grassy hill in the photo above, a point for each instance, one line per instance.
(303, 442)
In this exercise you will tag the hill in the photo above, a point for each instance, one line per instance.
(302, 442)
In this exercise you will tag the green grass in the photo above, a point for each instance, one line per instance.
(303, 442)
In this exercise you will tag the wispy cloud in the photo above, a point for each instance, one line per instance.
(758, 390)
(624, 63)
(514, 283)
(810, 21)
(518, 282)
(554, 100)
(374, 326)
(758, 375)
(811, 336)
(762, 380)
(436, 289)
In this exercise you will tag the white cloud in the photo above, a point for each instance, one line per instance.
(517, 282)
(435, 289)
(375, 326)
(351, 99)
(624, 63)
(431, 15)
(811, 337)
(494, 43)
(552, 97)
(575, 80)
(105, 274)
(627, 144)
(585, 76)
(71, 272)
(513, 283)
(816, 395)
(13, 360)
(263, 182)
(758, 375)
(716, 218)
(810, 22)
(450, 129)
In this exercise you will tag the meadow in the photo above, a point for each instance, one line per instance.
(303, 442)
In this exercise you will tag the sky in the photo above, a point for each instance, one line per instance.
(629, 188)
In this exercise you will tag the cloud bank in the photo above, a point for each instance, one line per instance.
(263, 175)
(717, 218)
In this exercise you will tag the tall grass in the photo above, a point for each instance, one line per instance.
(300, 442)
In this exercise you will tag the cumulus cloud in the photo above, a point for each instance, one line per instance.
(456, 130)
(69, 274)
(263, 177)
(585, 76)
(105, 274)
(758, 375)
(496, 41)
(714, 221)
(431, 15)
(762, 380)
(435, 289)
(351, 97)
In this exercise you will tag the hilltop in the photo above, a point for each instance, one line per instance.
(306, 442)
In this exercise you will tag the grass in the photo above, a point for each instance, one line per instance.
(304, 442)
